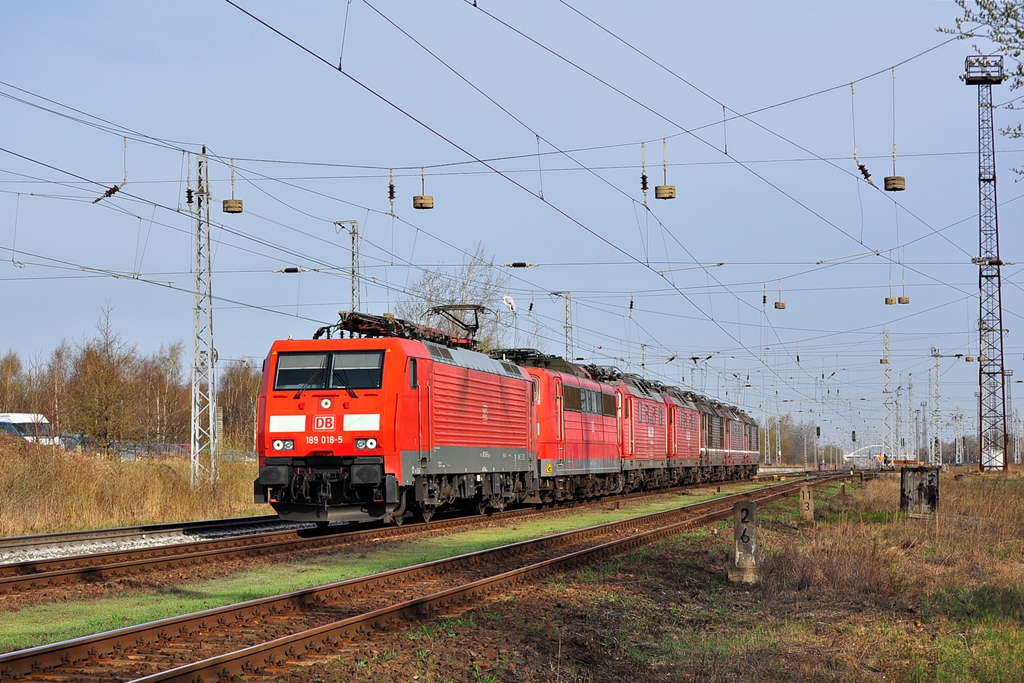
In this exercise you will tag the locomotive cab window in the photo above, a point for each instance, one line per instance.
(337, 370)
(357, 369)
(413, 380)
(300, 370)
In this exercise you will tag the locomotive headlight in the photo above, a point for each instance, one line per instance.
(283, 445)
(371, 443)
(325, 404)
(364, 444)
(360, 443)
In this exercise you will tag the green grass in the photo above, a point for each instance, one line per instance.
(39, 625)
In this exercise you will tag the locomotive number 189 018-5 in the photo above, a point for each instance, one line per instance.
(324, 438)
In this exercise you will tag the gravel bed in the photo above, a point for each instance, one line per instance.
(161, 538)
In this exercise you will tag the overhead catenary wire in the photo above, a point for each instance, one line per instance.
(460, 148)
(537, 138)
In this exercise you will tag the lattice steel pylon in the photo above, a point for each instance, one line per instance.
(203, 454)
(935, 397)
(355, 300)
(910, 414)
(887, 435)
(569, 350)
(958, 422)
(986, 71)
(898, 441)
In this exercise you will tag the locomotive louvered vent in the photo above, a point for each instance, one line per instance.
(511, 369)
(440, 353)
(715, 435)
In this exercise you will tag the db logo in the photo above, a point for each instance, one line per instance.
(323, 423)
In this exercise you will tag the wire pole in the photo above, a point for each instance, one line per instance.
(986, 71)
(569, 352)
(887, 433)
(935, 445)
(355, 297)
(203, 453)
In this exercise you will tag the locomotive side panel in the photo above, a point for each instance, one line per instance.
(576, 425)
(590, 428)
(645, 433)
(713, 454)
(649, 442)
(479, 422)
(686, 429)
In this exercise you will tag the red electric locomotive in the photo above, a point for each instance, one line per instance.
(366, 428)
(407, 418)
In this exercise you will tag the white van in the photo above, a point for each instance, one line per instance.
(32, 427)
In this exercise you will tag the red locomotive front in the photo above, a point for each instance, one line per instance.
(366, 428)
(326, 436)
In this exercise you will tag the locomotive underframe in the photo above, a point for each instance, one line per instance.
(335, 489)
(581, 487)
(327, 489)
(487, 490)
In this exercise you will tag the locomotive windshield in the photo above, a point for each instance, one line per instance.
(329, 370)
(357, 369)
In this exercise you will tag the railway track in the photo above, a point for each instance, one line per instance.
(62, 571)
(17, 548)
(220, 644)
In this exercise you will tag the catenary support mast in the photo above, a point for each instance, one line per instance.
(203, 453)
(986, 71)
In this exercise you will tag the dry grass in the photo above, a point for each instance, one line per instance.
(43, 489)
(977, 539)
(944, 597)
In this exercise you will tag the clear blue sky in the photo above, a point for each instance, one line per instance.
(313, 146)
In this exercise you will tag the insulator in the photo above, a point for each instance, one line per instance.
(391, 191)
(530, 309)
(188, 196)
(643, 182)
(895, 183)
(864, 171)
(519, 264)
(764, 300)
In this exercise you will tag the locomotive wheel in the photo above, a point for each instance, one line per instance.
(481, 506)
(426, 512)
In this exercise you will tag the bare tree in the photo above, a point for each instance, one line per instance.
(476, 281)
(13, 384)
(105, 404)
(54, 384)
(237, 394)
(163, 391)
